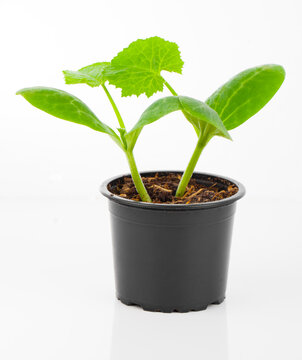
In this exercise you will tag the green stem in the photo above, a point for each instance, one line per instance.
(139, 185)
(202, 142)
(117, 113)
(173, 92)
(137, 180)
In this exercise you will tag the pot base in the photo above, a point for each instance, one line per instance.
(153, 308)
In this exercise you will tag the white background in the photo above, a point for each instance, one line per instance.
(56, 279)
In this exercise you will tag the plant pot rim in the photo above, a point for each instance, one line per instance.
(155, 206)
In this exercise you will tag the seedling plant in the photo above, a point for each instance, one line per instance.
(138, 70)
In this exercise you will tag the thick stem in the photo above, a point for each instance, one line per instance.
(202, 142)
(181, 189)
(138, 182)
(117, 113)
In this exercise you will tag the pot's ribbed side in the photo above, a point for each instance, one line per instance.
(171, 257)
(171, 260)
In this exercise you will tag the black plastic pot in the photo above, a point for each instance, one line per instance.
(171, 257)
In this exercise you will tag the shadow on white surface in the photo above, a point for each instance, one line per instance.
(138, 334)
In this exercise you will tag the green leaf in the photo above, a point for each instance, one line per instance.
(202, 117)
(157, 110)
(199, 113)
(136, 69)
(92, 75)
(65, 106)
(246, 93)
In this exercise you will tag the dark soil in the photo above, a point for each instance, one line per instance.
(162, 188)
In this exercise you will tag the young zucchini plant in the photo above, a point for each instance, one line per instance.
(137, 70)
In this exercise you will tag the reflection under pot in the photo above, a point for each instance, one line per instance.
(142, 335)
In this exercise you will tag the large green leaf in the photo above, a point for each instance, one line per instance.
(157, 110)
(92, 75)
(64, 106)
(246, 93)
(136, 69)
(199, 114)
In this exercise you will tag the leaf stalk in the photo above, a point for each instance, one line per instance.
(117, 113)
(173, 92)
